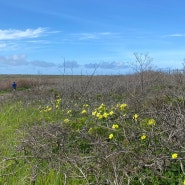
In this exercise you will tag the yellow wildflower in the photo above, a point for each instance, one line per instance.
(90, 130)
(184, 182)
(143, 137)
(111, 136)
(123, 106)
(69, 111)
(114, 126)
(135, 116)
(105, 115)
(59, 100)
(85, 105)
(111, 113)
(174, 155)
(101, 107)
(99, 116)
(151, 122)
(84, 111)
(47, 109)
(66, 120)
(94, 113)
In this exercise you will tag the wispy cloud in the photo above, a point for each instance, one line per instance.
(38, 41)
(21, 60)
(40, 63)
(107, 65)
(101, 65)
(69, 64)
(14, 60)
(175, 35)
(94, 35)
(14, 34)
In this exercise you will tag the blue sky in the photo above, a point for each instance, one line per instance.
(81, 36)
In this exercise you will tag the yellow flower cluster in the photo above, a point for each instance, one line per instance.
(102, 112)
(54, 105)
(101, 115)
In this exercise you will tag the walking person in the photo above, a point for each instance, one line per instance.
(14, 86)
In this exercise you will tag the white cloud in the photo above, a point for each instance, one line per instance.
(69, 64)
(176, 35)
(94, 35)
(21, 60)
(14, 60)
(13, 34)
(87, 36)
(107, 65)
(40, 63)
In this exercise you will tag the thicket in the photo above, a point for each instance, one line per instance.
(95, 130)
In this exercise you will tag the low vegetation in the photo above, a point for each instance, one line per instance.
(93, 129)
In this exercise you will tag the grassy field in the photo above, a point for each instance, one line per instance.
(93, 130)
